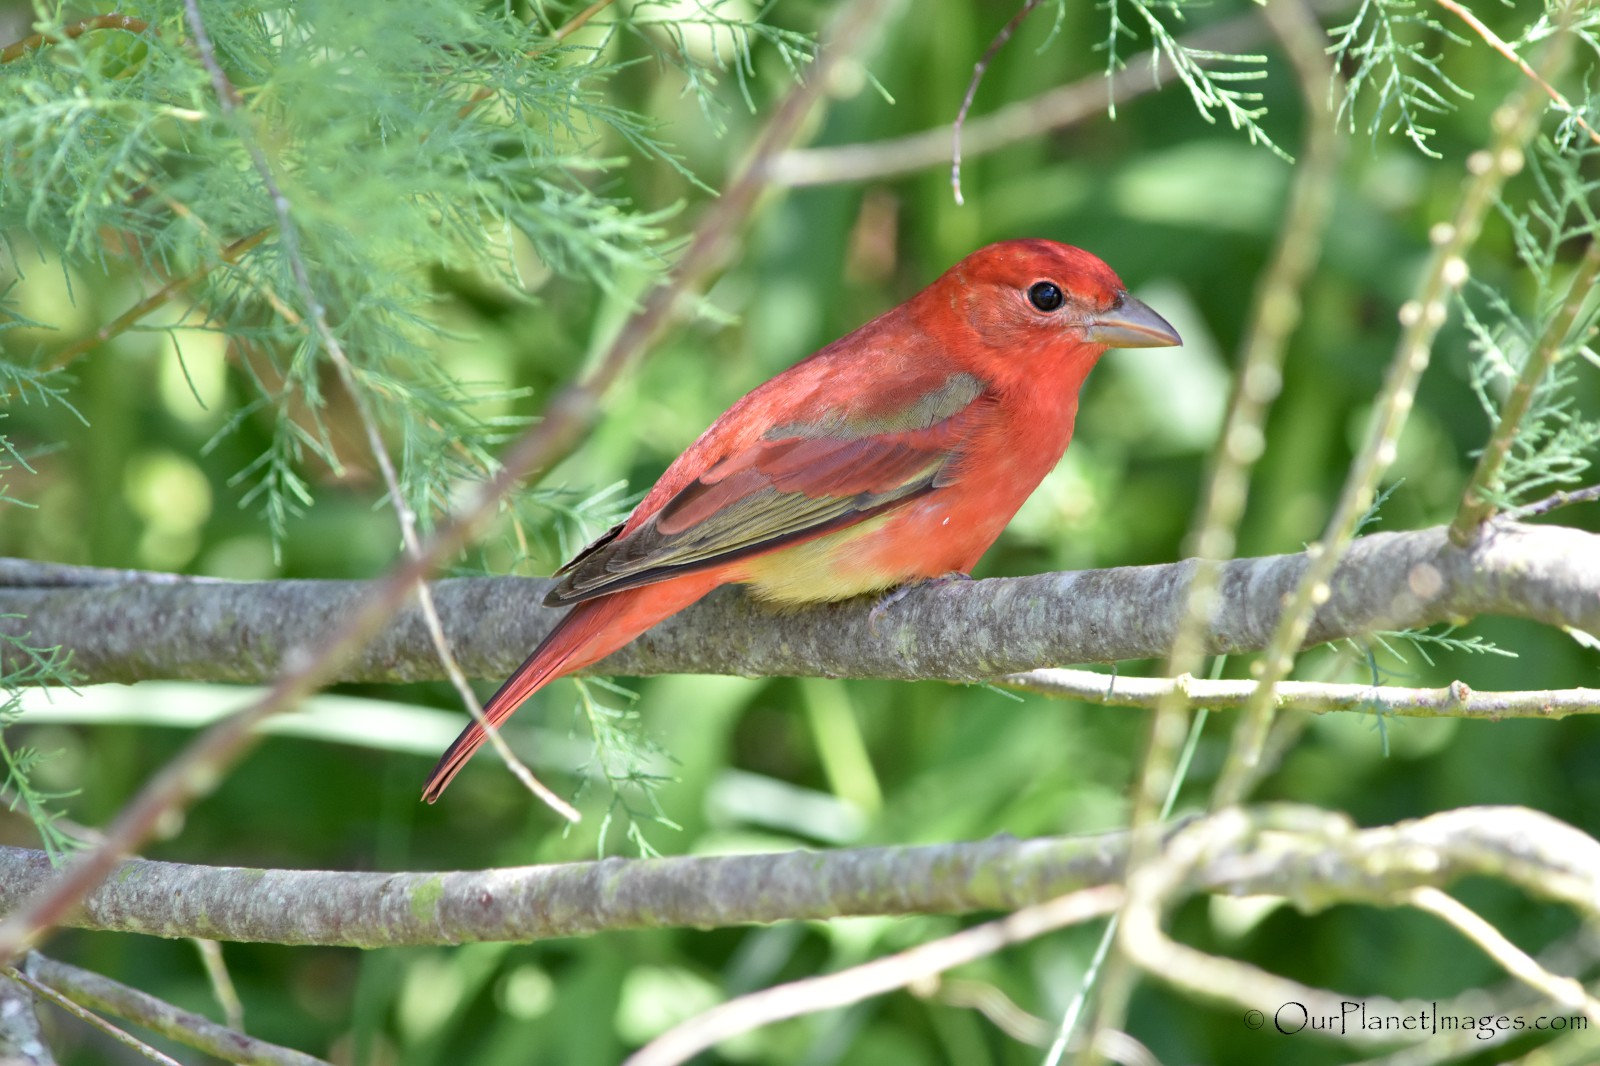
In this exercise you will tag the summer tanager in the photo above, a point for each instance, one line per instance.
(894, 455)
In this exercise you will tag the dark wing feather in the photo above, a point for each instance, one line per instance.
(773, 493)
(599, 542)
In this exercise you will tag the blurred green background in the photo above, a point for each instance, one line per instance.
(1186, 212)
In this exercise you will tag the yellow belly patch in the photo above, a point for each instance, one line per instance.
(830, 567)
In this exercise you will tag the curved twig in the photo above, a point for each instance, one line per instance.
(978, 70)
(71, 32)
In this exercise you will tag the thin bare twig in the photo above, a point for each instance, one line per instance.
(1456, 700)
(192, 1030)
(196, 770)
(1477, 499)
(1495, 41)
(578, 21)
(1421, 317)
(1066, 1031)
(1557, 500)
(121, 1036)
(1011, 124)
(987, 999)
(1575, 955)
(978, 71)
(71, 32)
(221, 981)
(129, 318)
(1567, 991)
(814, 994)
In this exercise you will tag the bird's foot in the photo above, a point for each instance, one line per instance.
(895, 595)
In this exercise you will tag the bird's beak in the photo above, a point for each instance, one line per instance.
(1131, 324)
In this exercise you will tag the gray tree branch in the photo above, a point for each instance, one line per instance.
(1309, 856)
(21, 1041)
(99, 993)
(370, 910)
(124, 627)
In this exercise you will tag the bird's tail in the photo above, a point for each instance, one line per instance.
(586, 634)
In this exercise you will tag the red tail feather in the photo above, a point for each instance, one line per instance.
(553, 657)
(588, 633)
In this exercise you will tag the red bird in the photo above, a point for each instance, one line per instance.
(894, 455)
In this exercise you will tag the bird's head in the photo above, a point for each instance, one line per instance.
(1033, 294)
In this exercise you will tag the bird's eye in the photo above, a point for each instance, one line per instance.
(1045, 295)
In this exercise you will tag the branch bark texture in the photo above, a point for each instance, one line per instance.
(370, 910)
(98, 993)
(21, 1040)
(121, 627)
(1313, 858)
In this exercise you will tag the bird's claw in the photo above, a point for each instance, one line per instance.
(895, 595)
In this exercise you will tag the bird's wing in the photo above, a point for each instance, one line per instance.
(797, 481)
